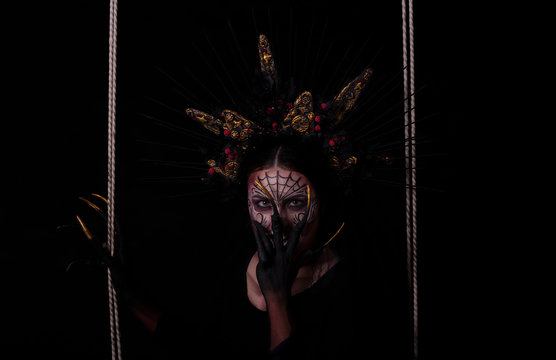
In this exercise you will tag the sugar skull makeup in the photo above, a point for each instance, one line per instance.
(289, 190)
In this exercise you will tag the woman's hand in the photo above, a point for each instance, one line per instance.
(92, 220)
(276, 269)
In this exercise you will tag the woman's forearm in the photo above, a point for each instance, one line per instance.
(279, 319)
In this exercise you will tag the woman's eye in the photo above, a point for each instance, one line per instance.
(296, 203)
(263, 203)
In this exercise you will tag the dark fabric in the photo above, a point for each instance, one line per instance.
(334, 319)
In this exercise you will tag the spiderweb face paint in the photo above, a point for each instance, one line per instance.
(289, 190)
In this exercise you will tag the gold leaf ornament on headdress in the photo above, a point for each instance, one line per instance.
(238, 127)
(301, 116)
(210, 123)
(346, 99)
(232, 125)
(266, 60)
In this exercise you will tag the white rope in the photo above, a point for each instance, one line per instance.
(410, 162)
(112, 298)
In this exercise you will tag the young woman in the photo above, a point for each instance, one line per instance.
(287, 295)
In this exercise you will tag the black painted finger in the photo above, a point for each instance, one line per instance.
(102, 253)
(267, 243)
(262, 242)
(295, 234)
(277, 233)
(96, 204)
(93, 206)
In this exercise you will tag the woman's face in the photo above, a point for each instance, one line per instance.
(289, 190)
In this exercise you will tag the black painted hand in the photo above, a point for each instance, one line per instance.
(92, 220)
(277, 269)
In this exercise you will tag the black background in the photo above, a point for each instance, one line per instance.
(170, 56)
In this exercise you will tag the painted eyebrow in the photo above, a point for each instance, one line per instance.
(295, 197)
(299, 193)
(260, 197)
(255, 191)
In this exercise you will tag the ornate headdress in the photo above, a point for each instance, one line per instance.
(283, 116)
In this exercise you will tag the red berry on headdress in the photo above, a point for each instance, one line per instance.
(323, 106)
(331, 143)
(211, 171)
(317, 127)
(317, 118)
(269, 110)
(230, 156)
(289, 105)
(227, 151)
(226, 132)
(274, 125)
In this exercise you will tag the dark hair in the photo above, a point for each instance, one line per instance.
(306, 155)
